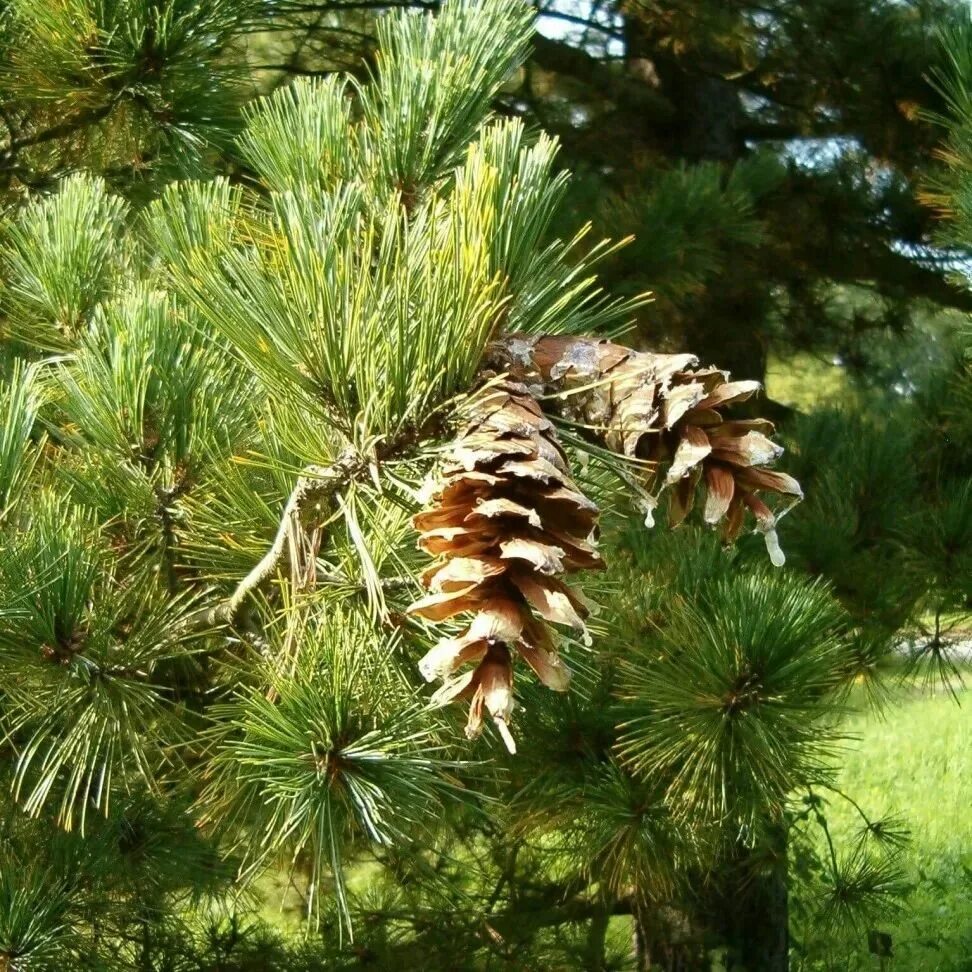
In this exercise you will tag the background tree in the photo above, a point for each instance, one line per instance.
(767, 157)
(778, 149)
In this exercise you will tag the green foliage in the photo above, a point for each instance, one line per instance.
(302, 136)
(433, 85)
(645, 778)
(749, 668)
(692, 216)
(862, 488)
(80, 646)
(952, 190)
(150, 400)
(335, 748)
(910, 763)
(136, 85)
(148, 387)
(35, 915)
(338, 298)
(886, 512)
(843, 895)
(547, 283)
(369, 346)
(940, 546)
(615, 830)
(206, 683)
(112, 900)
(189, 217)
(61, 258)
(20, 401)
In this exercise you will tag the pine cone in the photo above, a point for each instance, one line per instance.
(660, 409)
(504, 520)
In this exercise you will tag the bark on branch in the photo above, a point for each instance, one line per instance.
(316, 486)
(61, 130)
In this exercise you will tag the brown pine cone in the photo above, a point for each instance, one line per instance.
(661, 410)
(504, 520)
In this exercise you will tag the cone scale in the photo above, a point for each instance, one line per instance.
(664, 411)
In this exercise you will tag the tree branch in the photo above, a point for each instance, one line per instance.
(316, 485)
(62, 130)
(891, 274)
(586, 22)
(340, 6)
(628, 93)
(295, 70)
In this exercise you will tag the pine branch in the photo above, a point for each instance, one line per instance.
(62, 130)
(9, 153)
(295, 70)
(340, 6)
(544, 911)
(316, 485)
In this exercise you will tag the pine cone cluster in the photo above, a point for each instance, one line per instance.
(505, 521)
(661, 409)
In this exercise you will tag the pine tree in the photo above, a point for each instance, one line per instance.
(276, 448)
(775, 151)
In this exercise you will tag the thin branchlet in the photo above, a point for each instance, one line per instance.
(316, 487)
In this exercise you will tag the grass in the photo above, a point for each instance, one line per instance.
(915, 759)
(805, 381)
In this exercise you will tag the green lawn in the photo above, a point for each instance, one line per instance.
(915, 759)
(806, 381)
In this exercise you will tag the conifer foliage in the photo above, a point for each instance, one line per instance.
(237, 422)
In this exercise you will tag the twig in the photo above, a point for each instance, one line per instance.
(316, 484)
(61, 130)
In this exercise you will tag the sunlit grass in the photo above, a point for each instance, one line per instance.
(806, 381)
(915, 760)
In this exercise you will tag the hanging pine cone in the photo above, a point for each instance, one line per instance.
(660, 409)
(504, 520)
